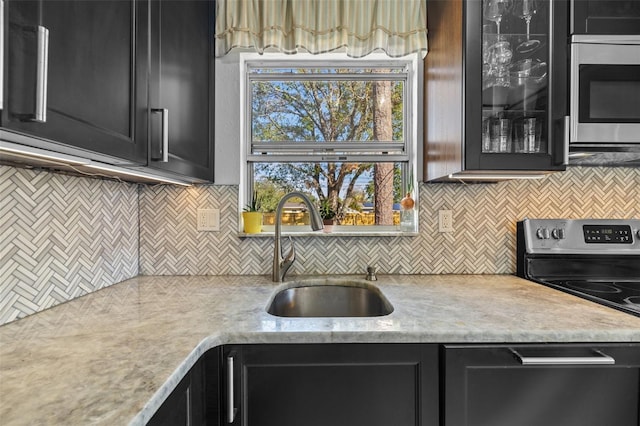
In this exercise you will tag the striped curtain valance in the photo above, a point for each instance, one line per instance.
(397, 27)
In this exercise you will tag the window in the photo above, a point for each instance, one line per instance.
(339, 130)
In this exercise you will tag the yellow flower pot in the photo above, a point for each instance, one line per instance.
(252, 222)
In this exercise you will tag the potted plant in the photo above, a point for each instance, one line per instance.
(252, 216)
(407, 213)
(328, 215)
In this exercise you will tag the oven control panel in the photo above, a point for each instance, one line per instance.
(582, 236)
(607, 234)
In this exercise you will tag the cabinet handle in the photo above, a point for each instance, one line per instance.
(189, 419)
(567, 138)
(599, 359)
(42, 67)
(231, 409)
(164, 150)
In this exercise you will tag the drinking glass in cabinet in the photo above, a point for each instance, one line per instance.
(528, 84)
(496, 134)
(494, 10)
(496, 75)
(525, 9)
(527, 134)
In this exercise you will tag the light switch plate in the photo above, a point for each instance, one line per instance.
(208, 220)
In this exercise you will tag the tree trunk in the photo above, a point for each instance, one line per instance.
(383, 172)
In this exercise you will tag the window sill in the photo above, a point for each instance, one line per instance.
(337, 231)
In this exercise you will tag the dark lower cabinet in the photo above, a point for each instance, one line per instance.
(550, 385)
(410, 385)
(195, 401)
(333, 384)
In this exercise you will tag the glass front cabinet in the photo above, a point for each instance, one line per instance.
(495, 89)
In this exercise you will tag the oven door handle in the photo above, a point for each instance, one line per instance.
(598, 359)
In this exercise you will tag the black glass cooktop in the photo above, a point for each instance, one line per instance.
(620, 294)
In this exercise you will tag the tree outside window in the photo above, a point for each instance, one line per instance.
(335, 133)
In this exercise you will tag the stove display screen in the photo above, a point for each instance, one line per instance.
(607, 234)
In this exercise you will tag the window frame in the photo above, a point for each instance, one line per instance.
(348, 151)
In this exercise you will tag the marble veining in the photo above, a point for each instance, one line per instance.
(113, 356)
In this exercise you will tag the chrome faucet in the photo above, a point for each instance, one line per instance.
(281, 265)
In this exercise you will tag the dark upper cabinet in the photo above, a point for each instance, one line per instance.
(335, 384)
(181, 87)
(75, 74)
(610, 17)
(495, 88)
(123, 82)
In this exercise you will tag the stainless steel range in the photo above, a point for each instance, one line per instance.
(596, 259)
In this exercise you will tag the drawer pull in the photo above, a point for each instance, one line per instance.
(231, 409)
(598, 359)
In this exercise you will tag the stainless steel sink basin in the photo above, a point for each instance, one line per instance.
(329, 298)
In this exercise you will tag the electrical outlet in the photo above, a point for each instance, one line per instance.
(445, 221)
(208, 220)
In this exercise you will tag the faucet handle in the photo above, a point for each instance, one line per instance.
(291, 256)
(288, 259)
(371, 273)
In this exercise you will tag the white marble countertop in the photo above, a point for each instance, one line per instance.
(113, 356)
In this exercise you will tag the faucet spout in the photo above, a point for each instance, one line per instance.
(281, 263)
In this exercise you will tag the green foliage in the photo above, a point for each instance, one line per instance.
(410, 182)
(269, 194)
(319, 111)
(326, 210)
(397, 186)
(254, 203)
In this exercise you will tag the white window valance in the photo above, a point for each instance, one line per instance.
(397, 27)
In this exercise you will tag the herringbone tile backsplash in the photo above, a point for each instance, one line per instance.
(483, 242)
(64, 236)
(61, 237)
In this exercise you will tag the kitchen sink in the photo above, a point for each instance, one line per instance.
(329, 298)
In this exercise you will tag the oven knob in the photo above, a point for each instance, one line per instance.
(558, 233)
(542, 233)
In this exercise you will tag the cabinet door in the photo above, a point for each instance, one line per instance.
(501, 107)
(489, 385)
(338, 385)
(516, 85)
(181, 84)
(74, 77)
(176, 408)
(619, 17)
(195, 401)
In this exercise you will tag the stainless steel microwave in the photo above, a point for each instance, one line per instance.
(605, 92)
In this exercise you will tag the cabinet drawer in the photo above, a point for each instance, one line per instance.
(552, 385)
